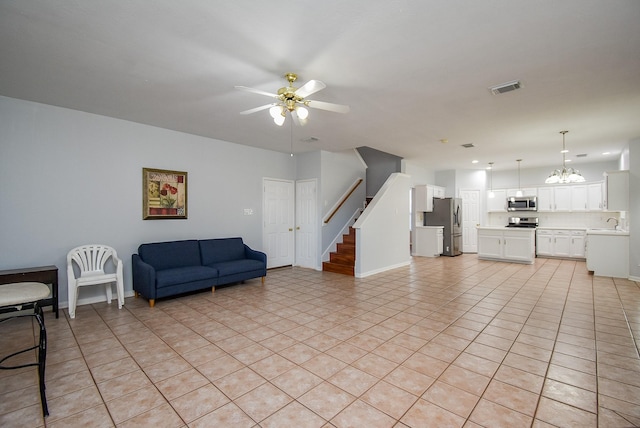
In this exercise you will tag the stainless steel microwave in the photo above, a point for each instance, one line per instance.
(522, 203)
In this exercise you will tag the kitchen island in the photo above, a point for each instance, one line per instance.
(506, 244)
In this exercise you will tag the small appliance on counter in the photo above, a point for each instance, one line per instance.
(528, 222)
(447, 212)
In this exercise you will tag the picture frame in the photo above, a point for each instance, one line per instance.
(164, 194)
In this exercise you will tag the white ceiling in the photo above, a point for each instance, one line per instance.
(413, 71)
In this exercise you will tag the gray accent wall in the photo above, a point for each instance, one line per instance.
(71, 178)
(380, 166)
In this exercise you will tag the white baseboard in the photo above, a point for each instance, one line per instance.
(384, 269)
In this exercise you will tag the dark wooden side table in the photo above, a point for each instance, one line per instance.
(43, 274)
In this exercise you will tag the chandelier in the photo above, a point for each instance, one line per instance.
(564, 175)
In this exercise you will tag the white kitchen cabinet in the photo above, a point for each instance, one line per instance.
(616, 190)
(578, 242)
(509, 245)
(544, 242)
(424, 196)
(564, 243)
(545, 198)
(562, 198)
(570, 198)
(429, 241)
(519, 247)
(499, 201)
(490, 244)
(561, 243)
(579, 198)
(608, 254)
(594, 196)
(526, 191)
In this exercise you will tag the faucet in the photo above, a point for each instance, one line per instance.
(614, 219)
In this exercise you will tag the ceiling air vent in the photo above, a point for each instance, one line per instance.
(468, 146)
(581, 155)
(505, 87)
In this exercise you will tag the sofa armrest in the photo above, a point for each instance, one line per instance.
(255, 255)
(144, 277)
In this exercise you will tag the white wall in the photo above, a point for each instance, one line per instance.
(418, 174)
(535, 177)
(382, 232)
(71, 178)
(633, 215)
(339, 171)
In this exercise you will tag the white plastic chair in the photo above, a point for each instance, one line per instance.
(91, 260)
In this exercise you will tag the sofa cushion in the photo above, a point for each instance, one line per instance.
(221, 250)
(173, 254)
(183, 275)
(237, 266)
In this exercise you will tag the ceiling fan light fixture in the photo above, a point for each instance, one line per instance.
(302, 112)
(565, 174)
(275, 111)
(279, 120)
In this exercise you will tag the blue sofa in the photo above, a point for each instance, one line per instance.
(164, 269)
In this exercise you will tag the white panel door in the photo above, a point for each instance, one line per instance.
(306, 227)
(278, 213)
(470, 219)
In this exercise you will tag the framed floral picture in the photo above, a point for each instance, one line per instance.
(164, 194)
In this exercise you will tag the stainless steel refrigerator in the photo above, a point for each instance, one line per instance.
(447, 212)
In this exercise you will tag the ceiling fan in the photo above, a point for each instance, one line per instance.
(293, 100)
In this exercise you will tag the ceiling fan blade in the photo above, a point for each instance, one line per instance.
(311, 87)
(254, 110)
(256, 91)
(336, 108)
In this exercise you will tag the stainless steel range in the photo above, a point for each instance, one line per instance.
(529, 222)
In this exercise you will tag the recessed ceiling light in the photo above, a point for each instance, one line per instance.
(568, 160)
(606, 153)
(564, 151)
(474, 161)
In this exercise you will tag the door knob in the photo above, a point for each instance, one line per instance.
(290, 229)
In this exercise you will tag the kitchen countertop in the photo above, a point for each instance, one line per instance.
(562, 228)
(510, 229)
(611, 232)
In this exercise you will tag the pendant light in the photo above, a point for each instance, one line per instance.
(491, 194)
(564, 175)
(519, 191)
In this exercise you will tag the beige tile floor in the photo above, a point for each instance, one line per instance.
(443, 342)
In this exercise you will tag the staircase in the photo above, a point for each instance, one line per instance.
(343, 260)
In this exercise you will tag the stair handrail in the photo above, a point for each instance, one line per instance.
(344, 198)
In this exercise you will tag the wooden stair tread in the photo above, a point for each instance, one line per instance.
(343, 260)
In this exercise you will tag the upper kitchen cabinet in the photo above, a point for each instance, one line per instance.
(545, 199)
(594, 196)
(571, 198)
(616, 186)
(424, 196)
(497, 203)
(526, 191)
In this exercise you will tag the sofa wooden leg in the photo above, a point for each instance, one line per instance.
(152, 303)
(213, 289)
(263, 279)
(136, 294)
